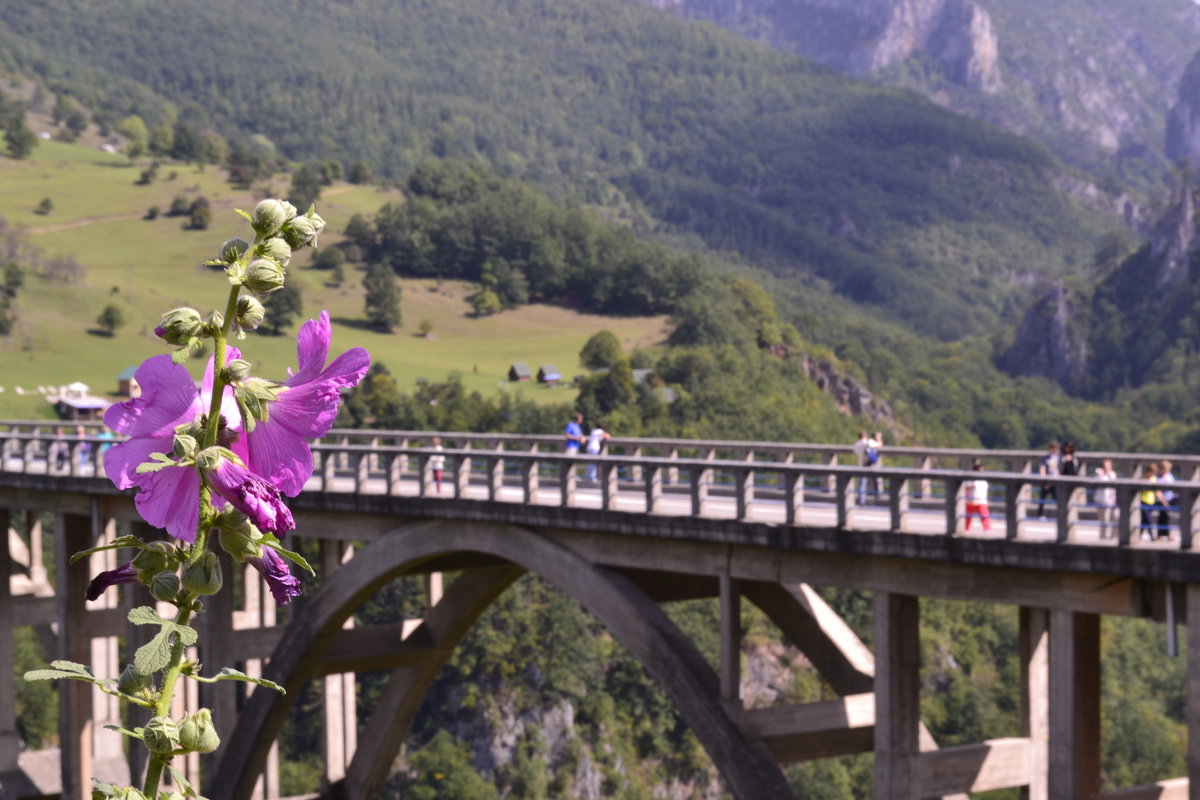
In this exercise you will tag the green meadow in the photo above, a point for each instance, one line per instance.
(148, 266)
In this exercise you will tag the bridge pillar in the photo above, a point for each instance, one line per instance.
(341, 722)
(897, 696)
(10, 740)
(1193, 691)
(74, 697)
(1074, 751)
(111, 763)
(1035, 698)
(731, 641)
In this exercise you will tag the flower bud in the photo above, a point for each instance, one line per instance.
(300, 232)
(209, 458)
(131, 682)
(250, 312)
(214, 324)
(263, 276)
(184, 446)
(275, 249)
(197, 733)
(269, 216)
(164, 586)
(161, 735)
(203, 576)
(239, 542)
(154, 558)
(179, 325)
(239, 369)
(233, 249)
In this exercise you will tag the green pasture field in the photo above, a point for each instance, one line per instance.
(146, 267)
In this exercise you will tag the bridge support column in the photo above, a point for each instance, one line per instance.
(731, 641)
(1193, 691)
(74, 697)
(897, 696)
(10, 740)
(111, 763)
(218, 626)
(341, 722)
(1035, 698)
(1074, 752)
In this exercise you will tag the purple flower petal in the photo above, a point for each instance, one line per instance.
(279, 454)
(121, 460)
(122, 574)
(170, 499)
(282, 583)
(251, 495)
(312, 348)
(168, 399)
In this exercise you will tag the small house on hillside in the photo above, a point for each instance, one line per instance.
(549, 374)
(75, 402)
(642, 375)
(126, 385)
(519, 371)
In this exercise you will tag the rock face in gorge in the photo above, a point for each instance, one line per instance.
(1049, 342)
(1183, 125)
(1091, 79)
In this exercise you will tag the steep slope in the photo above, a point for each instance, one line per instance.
(1092, 79)
(1183, 124)
(935, 220)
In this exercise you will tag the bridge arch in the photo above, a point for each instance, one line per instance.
(630, 615)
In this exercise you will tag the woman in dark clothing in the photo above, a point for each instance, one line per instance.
(1068, 464)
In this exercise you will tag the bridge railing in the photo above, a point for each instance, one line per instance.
(797, 485)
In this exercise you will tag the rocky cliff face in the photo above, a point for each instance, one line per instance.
(1049, 342)
(1091, 79)
(1183, 125)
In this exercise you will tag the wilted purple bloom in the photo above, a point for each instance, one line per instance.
(307, 406)
(122, 574)
(283, 584)
(168, 498)
(251, 495)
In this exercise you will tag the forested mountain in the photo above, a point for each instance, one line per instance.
(1091, 79)
(679, 127)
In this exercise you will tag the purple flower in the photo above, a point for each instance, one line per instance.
(283, 584)
(168, 498)
(278, 448)
(122, 574)
(251, 495)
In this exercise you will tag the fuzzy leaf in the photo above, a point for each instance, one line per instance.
(231, 674)
(121, 541)
(154, 654)
(131, 734)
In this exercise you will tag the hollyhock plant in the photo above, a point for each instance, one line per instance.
(122, 574)
(211, 466)
(275, 571)
(307, 405)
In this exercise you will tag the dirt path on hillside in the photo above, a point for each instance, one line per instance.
(228, 202)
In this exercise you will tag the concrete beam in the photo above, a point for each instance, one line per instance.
(1174, 789)
(1035, 698)
(807, 731)
(994, 764)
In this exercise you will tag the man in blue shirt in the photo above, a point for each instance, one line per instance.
(574, 434)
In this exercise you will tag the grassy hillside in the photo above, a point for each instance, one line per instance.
(679, 126)
(146, 267)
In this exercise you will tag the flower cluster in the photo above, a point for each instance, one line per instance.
(211, 465)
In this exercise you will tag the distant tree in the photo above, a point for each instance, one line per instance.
(179, 206)
(185, 144)
(44, 208)
(75, 124)
(306, 187)
(331, 171)
(360, 232)
(199, 214)
(283, 307)
(337, 277)
(162, 140)
(110, 319)
(424, 328)
(213, 148)
(603, 349)
(382, 298)
(359, 173)
(148, 175)
(14, 279)
(18, 138)
(152, 213)
(485, 303)
(137, 136)
(328, 258)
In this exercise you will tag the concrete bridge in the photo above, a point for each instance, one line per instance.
(660, 521)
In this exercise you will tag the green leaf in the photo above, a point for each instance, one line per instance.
(145, 615)
(248, 218)
(131, 734)
(182, 782)
(121, 541)
(154, 654)
(63, 670)
(231, 674)
(295, 558)
(154, 466)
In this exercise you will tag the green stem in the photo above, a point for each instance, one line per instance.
(163, 707)
(153, 774)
